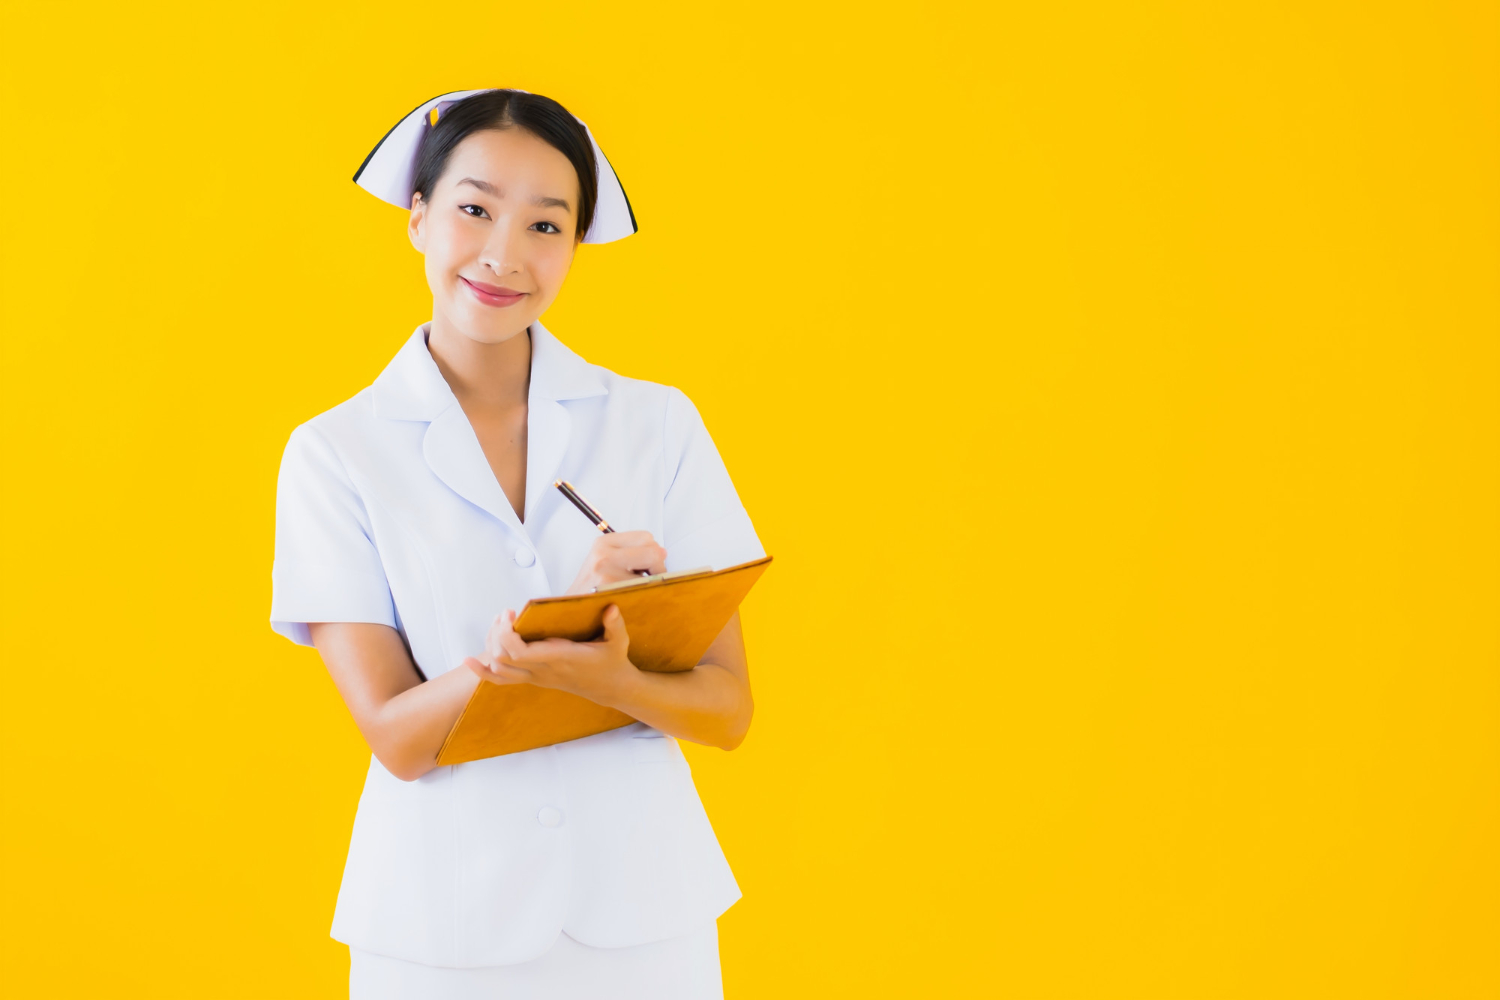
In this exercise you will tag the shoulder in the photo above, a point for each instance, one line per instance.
(640, 394)
(638, 403)
(334, 433)
(355, 415)
(652, 411)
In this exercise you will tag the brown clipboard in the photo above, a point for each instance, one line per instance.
(671, 621)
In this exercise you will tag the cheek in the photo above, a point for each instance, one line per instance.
(552, 267)
(448, 248)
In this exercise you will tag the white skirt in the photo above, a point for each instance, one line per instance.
(680, 968)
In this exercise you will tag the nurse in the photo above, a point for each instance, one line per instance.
(413, 520)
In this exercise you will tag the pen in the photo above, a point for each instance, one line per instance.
(566, 489)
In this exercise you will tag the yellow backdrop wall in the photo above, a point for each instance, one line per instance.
(1157, 341)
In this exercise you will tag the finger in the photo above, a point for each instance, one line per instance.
(511, 644)
(624, 539)
(502, 673)
(652, 557)
(480, 665)
(543, 651)
(614, 628)
(503, 627)
(498, 672)
(509, 663)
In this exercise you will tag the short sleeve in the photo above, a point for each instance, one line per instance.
(705, 523)
(327, 568)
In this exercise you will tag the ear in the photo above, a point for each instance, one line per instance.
(416, 226)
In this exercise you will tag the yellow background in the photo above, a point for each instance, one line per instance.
(1116, 386)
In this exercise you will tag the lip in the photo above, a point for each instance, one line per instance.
(493, 295)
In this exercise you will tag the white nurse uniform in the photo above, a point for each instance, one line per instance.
(387, 512)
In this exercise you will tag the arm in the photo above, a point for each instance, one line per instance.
(710, 704)
(405, 719)
(401, 717)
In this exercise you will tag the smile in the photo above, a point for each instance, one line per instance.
(493, 295)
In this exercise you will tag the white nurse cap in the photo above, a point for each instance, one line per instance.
(387, 171)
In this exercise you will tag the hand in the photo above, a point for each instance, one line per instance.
(616, 556)
(599, 671)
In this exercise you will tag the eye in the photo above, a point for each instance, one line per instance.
(546, 227)
(473, 211)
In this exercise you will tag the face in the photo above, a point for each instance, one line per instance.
(497, 233)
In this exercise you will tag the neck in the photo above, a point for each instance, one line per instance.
(480, 374)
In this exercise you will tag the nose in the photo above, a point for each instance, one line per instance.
(502, 253)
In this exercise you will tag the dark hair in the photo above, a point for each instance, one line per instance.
(503, 109)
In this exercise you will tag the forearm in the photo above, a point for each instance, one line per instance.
(403, 718)
(407, 731)
(708, 704)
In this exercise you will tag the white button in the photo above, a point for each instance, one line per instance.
(525, 558)
(549, 816)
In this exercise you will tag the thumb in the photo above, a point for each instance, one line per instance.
(614, 627)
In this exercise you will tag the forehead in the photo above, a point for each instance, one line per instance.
(513, 160)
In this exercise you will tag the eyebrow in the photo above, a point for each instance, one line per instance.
(541, 201)
(484, 186)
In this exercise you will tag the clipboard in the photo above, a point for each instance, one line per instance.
(672, 620)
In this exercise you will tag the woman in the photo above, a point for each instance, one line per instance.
(413, 520)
